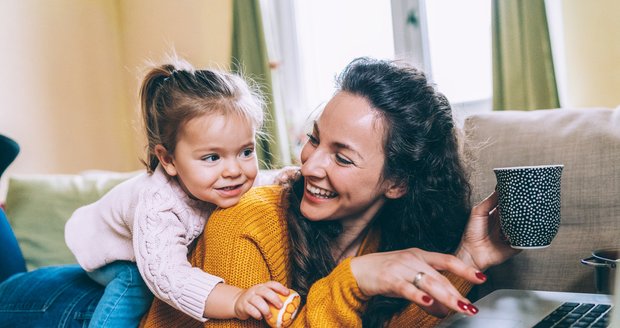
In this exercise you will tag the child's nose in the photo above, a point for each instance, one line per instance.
(232, 169)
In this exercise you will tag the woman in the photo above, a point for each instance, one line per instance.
(381, 179)
(380, 176)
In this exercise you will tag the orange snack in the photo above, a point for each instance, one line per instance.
(283, 317)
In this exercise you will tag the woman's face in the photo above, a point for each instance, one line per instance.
(342, 163)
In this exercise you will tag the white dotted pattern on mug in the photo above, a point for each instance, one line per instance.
(529, 202)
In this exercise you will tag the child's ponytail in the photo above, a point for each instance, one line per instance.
(150, 105)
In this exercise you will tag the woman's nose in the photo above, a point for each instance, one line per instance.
(315, 164)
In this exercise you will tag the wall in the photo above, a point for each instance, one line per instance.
(70, 74)
(592, 52)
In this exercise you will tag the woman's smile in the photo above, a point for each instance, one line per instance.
(319, 192)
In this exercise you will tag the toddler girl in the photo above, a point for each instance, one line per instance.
(200, 127)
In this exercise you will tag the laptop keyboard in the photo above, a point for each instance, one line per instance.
(572, 314)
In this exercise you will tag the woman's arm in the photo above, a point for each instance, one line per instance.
(338, 300)
(334, 301)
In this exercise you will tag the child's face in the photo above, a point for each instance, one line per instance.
(214, 159)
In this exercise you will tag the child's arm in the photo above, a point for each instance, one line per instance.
(161, 240)
(226, 301)
(163, 229)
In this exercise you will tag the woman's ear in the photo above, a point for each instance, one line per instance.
(165, 159)
(395, 189)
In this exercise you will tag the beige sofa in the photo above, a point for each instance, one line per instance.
(586, 141)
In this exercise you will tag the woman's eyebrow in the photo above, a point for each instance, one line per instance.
(340, 145)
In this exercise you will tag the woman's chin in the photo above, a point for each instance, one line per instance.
(311, 212)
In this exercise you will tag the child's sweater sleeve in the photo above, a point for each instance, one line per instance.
(163, 230)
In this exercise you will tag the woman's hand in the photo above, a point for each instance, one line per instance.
(413, 274)
(483, 245)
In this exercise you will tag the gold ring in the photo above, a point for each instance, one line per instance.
(416, 280)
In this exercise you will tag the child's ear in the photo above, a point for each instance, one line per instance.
(395, 189)
(165, 160)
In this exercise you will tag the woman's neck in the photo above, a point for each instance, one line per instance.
(354, 230)
(349, 242)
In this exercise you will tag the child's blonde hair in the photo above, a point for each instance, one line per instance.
(174, 93)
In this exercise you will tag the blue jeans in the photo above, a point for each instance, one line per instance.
(11, 259)
(126, 298)
(61, 297)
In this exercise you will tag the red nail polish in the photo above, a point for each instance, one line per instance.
(426, 299)
(472, 308)
(462, 305)
(481, 276)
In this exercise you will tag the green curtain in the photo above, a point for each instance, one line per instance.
(523, 74)
(249, 56)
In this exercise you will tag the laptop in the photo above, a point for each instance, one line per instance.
(512, 308)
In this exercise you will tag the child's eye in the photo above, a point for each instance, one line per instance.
(211, 158)
(312, 139)
(343, 160)
(248, 152)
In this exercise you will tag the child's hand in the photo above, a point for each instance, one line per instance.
(254, 301)
(283, 317)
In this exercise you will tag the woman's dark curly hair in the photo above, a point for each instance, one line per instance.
(421, 151)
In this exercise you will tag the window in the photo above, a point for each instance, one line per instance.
(312, 41)
(459, 41)
(451, 41)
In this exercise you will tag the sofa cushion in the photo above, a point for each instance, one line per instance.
(587, 142)
(39, 205)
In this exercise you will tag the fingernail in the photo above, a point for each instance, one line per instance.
(472, 308)
(481, 276)
(462, 305)
(426, 299)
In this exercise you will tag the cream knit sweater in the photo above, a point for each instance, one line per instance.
(149, 220)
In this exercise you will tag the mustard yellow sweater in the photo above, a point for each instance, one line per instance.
(248, 244)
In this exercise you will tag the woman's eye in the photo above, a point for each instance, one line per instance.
(211, 158)
(312, 139)
(343, 160)
(247, 152)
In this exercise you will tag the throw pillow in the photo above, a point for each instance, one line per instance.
(39, 205)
